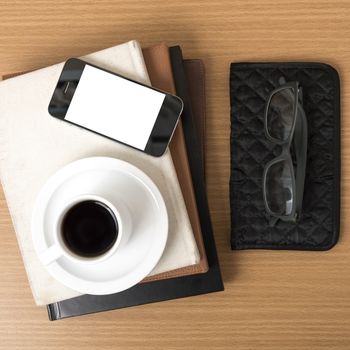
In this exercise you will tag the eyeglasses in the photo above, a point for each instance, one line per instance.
(285, 124)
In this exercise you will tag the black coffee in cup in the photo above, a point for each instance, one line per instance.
(89, 228)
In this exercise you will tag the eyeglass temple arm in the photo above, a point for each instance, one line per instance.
(300, 95)
(300, 146)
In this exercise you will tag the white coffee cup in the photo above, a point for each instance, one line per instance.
(59, 248)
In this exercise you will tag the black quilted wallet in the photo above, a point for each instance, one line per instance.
(318, 226)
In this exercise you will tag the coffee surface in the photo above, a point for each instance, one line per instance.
(89, 228)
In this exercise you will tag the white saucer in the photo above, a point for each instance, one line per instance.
(126, 183)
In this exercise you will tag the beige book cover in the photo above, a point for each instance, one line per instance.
(33, 145)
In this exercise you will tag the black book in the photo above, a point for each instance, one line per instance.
(173, 288)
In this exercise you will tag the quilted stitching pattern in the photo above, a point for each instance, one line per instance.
(250, 85)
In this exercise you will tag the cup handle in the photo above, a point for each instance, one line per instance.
(51, 254)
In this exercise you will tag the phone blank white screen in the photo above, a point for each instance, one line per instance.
(115, 107)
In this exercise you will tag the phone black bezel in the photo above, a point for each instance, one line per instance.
(163, 128)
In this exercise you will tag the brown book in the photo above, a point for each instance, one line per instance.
(158, 64)
(194, 69)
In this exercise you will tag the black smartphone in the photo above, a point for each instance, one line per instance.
(115, 107)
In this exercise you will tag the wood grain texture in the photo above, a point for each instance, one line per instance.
(273, 300)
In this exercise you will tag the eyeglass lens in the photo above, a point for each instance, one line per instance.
(281, 114)
(279, 188)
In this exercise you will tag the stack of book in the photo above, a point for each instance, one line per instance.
(189, 265)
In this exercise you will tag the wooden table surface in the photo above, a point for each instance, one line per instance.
(273, 299)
